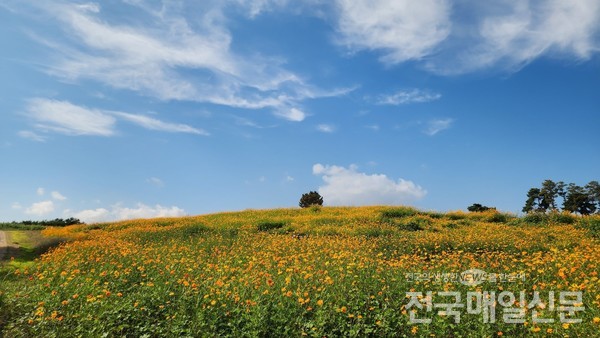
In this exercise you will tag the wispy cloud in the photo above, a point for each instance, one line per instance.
(436, 125)
(156, 182)
(408, 96)
(154, 124)
(326, 128)
(171, 58)
(512, 34)
(30, 135)
(348, 186)
(402, 30)
(67, 118)
(40, 191)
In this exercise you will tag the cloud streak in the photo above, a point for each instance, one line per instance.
(66, 118)
(154, 124)
(437, 125)
(408, 96)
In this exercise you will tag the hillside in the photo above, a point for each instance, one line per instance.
(315, 271)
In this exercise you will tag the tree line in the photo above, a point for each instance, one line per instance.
(575, 199)
(58, 222)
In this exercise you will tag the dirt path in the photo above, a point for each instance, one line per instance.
(3, 245)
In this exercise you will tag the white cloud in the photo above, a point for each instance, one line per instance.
(118, 212)
(408, 96)
(93, 215)
(16, 206)
(67, 118)
(437, 125)
(455, 37)
(289, 178)
(347, 186)
(40, 208)
(513, 34)
(40, 191)
(291, 114)
(402, 29)
(325, 128)
(156, 181)
(154, 124)
(27, 134)
(58, 196)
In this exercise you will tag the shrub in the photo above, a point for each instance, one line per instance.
(563, 218)
(536, 218)
(310, 198)
(399, 212)
(499, 217)
(456, 215)
(592, 224)
(269, 225)
(414, 223)
(476, 207)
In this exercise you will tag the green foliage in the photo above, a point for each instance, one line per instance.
(269, 225)
(399, 212)
(536, 218)
(20, 226)
(499, 217)
(456, 216)
(415, 223)
(310, 198)
(562, 218)
(38, 225)
(476, 207)
(592, 225)
(579, 200)
(315, 208)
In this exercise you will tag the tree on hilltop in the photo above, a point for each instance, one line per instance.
(310, 198)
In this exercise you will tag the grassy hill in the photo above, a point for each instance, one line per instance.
(315, 272)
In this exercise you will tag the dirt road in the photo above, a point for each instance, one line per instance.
(3, 245)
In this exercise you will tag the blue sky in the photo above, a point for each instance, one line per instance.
(124, 109)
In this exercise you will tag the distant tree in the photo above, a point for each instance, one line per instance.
(561, 190)
(548, 195)
(476, 207)
(582, 200)
(532, 203)
(579, 200)
(310, 198)
(593, 190)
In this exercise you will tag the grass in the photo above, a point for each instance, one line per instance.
(295, 272)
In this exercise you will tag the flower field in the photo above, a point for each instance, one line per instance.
(318, 272)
